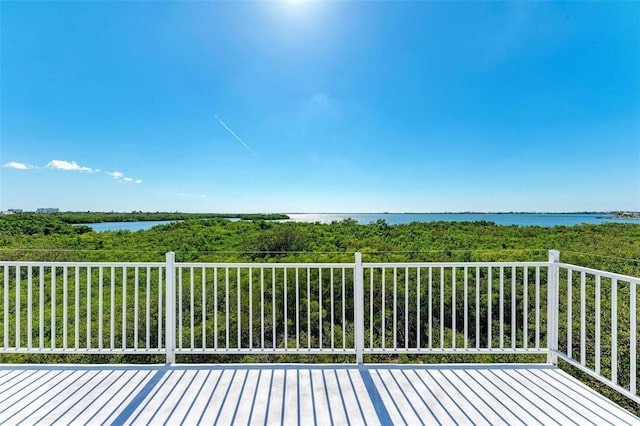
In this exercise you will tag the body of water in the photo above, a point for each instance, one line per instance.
(519, 219)
(126, 226)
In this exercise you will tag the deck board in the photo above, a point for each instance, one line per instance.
(499, 394)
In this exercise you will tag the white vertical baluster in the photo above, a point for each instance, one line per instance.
(501, 307)
(614, 331)
(525, 308)
(101, 305)
(113, 306)
(286, 315)
(262, 308)
(77, 315)
(148, 310)
(297, 307)
(569, 313)
(634, 337)
(466, 307)
(453, 307)
(227, 305)
(192, 308)
(598, 297)
(430, 313)
(406, 308)
(180, 308)
(215, 308)
(583, 314)
(320, 304)
(370, 308)
(124, 307)
(537, 307)
(135, 307)
(308, 308)
(395, 308)
(489, 319)
(513, 307)
(250, 307)
(273, 305)
(441, 307)
(29, 307)
(6, 306)
(418, 308)
(239, 291)
(384, 309)
(358, 294)
(160, 317)
(65, 304)
(477, 307)
(170, 311)
(41, 303)
(331, 298)
(552, 307)
(53, 307)
(344, 317)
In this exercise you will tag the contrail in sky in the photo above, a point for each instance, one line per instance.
(235, 136)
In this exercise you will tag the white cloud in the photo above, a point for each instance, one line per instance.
(121, 177)
(116, 175)
(18, 166)
(67, 166)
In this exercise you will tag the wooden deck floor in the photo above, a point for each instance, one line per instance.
(301, 394)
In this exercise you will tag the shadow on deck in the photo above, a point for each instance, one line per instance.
(301, 394)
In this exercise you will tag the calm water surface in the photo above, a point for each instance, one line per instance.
(126, 226)
(519, 219)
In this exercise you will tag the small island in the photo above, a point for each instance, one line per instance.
(626, 215)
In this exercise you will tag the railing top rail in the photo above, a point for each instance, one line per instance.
(82, 264)
(277, 265)
(451, 264)
(613, 275)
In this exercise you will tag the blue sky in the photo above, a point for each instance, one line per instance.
(320, 106)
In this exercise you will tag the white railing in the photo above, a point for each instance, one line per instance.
(455, 307)
(91, 308)
(264, 308)
(602, 342)
(352, 309)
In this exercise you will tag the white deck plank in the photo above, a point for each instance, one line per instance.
(480, 407)
(210, 397)
(115, 396)
(320, 402)
(338, 394)
(274, 398)
(306, 401)
(258, 415)
(509, 404)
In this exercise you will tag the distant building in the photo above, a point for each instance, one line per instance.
(47, 210)
(12, 211)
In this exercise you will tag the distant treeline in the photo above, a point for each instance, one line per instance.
(99, 217)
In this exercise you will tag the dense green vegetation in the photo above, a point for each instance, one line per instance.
(613, 247)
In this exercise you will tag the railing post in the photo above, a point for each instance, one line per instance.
(170, 308)
(553, 307)
(359, 308)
